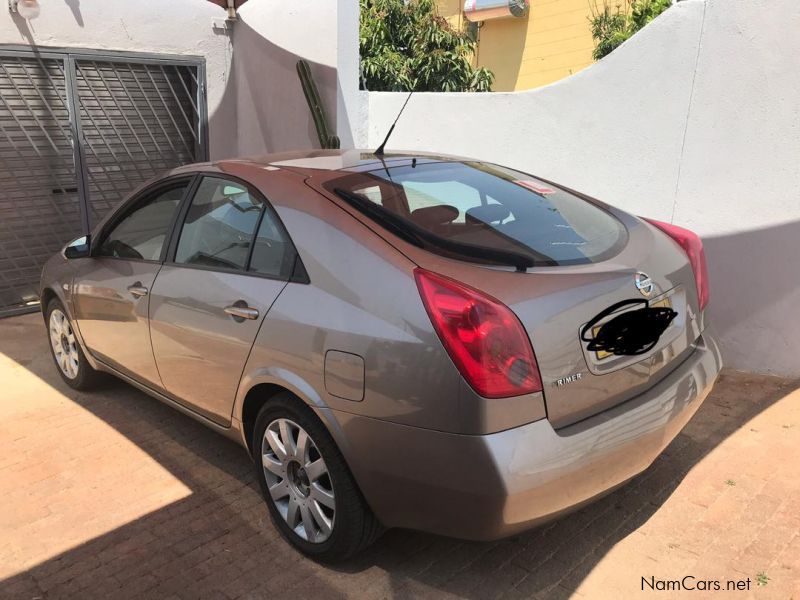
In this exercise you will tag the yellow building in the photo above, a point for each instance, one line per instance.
(553, 41)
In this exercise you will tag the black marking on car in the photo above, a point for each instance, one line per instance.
(630, 333)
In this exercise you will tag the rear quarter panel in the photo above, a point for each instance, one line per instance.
(362, 299)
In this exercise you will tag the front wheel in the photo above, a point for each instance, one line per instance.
(312, 497)
(72, 365)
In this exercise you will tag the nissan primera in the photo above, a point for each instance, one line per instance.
(398, 340)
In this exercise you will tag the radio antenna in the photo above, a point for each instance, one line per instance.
(379, 151)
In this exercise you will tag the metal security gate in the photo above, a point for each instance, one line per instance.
(39, 204)
(132, 117)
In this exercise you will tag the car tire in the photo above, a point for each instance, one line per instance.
(66, 351)
(292, 494)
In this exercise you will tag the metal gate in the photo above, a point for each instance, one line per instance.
(132, 117)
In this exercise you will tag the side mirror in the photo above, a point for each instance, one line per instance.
(78, 248)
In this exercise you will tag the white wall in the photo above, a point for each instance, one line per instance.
(174, 27)
(352, 104)
(695, 120)
(268, 40)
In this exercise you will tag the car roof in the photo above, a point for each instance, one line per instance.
(310, 161)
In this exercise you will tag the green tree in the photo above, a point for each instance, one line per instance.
(612, 26)
(406, 45)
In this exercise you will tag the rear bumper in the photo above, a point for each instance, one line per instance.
(492, 486)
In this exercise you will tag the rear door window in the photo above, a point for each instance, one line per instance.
(229, 227)
(273, 252)
(219, 226)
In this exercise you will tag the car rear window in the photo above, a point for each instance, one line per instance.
(490, 206)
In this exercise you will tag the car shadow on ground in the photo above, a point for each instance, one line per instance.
(218, 541)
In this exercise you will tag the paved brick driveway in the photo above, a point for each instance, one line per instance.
(113, 495)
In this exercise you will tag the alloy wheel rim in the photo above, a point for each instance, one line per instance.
(65, 347)
(298, 480)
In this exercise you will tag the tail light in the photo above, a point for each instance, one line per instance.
(483, 337)
(693, 246)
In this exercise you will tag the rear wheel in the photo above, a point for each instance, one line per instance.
(312, 497)
(72, 365)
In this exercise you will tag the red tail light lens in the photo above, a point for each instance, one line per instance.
(693, 246)
(483, 337)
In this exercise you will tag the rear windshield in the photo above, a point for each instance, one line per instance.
(492, 207)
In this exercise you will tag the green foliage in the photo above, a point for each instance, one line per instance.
(612, 26)
(644, 11)
(406, 45)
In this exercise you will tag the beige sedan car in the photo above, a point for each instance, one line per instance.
(399, 341)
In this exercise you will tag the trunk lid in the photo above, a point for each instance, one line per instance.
(554, 303)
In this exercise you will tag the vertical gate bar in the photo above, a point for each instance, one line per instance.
(77, 141)
(57, 89)
(86, 145)
(202, 114)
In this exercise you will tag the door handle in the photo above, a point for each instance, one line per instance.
(240, 311)
(138, 290)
